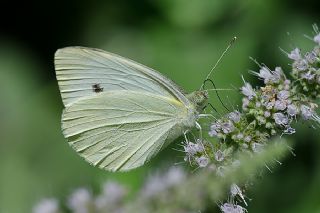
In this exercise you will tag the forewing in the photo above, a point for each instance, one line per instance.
(84, 71)
(123, 129)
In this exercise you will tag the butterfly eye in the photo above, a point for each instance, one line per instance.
(205, 94)
(97, 88)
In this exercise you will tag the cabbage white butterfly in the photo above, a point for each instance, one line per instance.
(118, 113)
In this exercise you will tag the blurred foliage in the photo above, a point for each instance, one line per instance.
(204, 189)
(182, 39)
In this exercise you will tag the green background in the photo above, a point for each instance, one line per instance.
(180, 38)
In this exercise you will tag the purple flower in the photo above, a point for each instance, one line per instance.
(247, 139)
(265, 74)
(214, 129)
(280, 105)
(80, 201)
(295, 54)
(317, 38)
(283, 94)
(269, 76)
(292, 110)
(267, 114)
(306, 112)
(174, 176)
(158, 183)
(235, 190)
(287, 84)
(276, 74)
(47, 205)
(269, 105)
(227, 127)
(219, 156)
(190, 148)
(239, 136)
(213, 133)
(308, 76)
(280, 118)
(245, 103)
(202, 161)
(311, 57)
(289, 130)
(234, 116)
(248, 91)
(154, 185)
(265, 98)
(301, 65)
(316, 50)
(111, 196)
(232, 208)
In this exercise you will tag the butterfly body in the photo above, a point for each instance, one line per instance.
(118, 113)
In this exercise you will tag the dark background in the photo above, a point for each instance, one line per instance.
(182, 39)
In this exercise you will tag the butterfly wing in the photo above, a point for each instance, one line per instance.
(118, 113)
(121, 130)
(79, 70)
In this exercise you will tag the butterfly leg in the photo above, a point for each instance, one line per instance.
(207, 116)
(185, 135)
(198, 126)
(187, 142)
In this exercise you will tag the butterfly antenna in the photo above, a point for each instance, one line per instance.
(213, 108)
(218, 61)
(215, 89)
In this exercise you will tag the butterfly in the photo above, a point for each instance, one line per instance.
(118, 113)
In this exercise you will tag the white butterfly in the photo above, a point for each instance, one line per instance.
(118, 113)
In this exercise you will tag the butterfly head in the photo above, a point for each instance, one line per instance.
(199, 99)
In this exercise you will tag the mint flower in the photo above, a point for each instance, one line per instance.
(280, 118)
(311, 57)
(157, 183)
(306, 112)
(295, 54)
(283, 94)
(234, 116)
(47, 205)
(280, 105)
(317, 38)
(80, 201)
(232, 208)
(248, 91)
(268, 111)
(292, 110)
(192, 148)
(219, 156)
(202, 161)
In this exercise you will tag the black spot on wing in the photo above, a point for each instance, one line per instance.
(97, 88)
